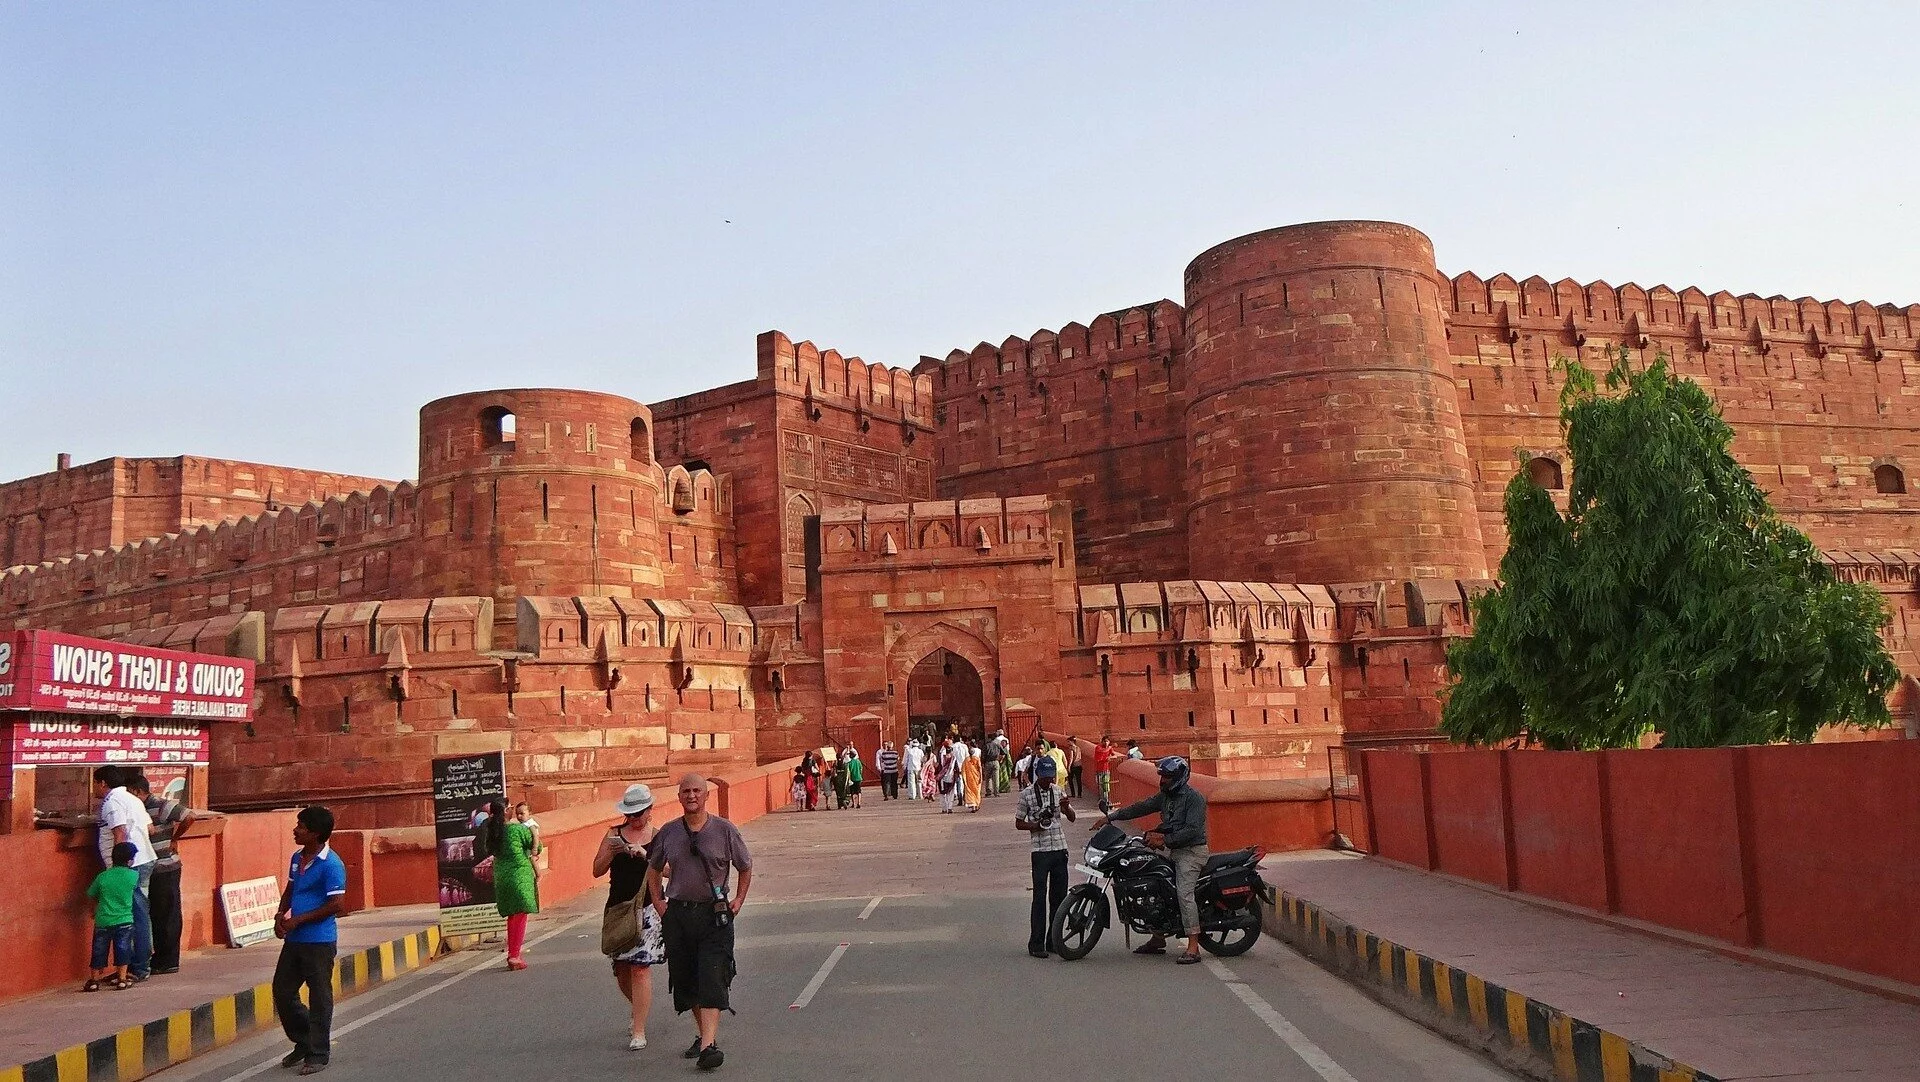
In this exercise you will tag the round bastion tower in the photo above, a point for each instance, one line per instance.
(1324, 441)
(537, 492)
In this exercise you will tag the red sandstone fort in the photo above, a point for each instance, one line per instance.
(1243, 529)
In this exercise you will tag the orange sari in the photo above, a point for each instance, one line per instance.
(971, 772)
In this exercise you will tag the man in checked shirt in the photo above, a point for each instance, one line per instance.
(1040, 815)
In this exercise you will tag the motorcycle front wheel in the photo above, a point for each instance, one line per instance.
(1076, 924)
(1233, 941)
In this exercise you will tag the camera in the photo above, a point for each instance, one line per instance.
(722, 910)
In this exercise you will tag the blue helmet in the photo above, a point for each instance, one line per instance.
(1173, 771)
(1046, 768)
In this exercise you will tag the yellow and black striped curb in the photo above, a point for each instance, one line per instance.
(138, 1051)
(1553, 1044)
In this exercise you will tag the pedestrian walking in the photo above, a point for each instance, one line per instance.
(314, 896)
(856, 772)
(910, 764)
(1023, 770)
(1074, 777)
(687, 874)
(169, 819)
(622, 857)
(798, 794)
(970, 771)
(888, 762)
(516, 893)
(112, 892)
(810, 773)
(930, 771)
(990, 767)
(1103, 756)
(1059, 761)
(949, 776)
(123, 818)
(1039, 814)
(840, 783)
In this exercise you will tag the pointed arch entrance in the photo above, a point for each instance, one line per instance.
(944, 691)
(946, 675)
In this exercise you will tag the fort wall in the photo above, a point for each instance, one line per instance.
(1088, 413)
(114, 501)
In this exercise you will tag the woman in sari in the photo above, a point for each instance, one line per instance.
(930, 775)
(970, 775)
(949, 777)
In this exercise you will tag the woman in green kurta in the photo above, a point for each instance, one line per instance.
(515, 892)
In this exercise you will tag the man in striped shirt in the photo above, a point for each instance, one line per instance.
(888, 761)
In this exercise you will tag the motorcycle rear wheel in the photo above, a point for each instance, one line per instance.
(1076, 924)
(1233, 941)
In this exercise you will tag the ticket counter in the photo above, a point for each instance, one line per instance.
(69, 704)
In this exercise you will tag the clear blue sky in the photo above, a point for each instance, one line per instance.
(272, 232)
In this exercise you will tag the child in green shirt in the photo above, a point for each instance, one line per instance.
(112, 894)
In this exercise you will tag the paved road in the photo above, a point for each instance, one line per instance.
(931, 986)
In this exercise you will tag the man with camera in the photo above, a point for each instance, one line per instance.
(1039, 813)
(696, 851)
(1182, 832)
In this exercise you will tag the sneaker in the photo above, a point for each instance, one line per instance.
(711, 1057)
(1038, 954)
(692, 1049)
(636, 1042)
(313, 1066)
(294, 1058)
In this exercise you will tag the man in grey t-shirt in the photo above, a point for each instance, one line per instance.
(695, 852)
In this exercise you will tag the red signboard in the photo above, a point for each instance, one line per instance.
(64, 740)
(58, 673)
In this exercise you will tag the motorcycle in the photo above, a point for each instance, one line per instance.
(1141, 882)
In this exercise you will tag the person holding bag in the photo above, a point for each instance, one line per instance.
(630, 927)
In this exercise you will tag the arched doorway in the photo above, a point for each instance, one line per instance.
(944, 691)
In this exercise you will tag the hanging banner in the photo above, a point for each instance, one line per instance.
(74, 740)
(70, 674)
(463, 786)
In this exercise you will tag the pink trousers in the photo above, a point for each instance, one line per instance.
(516, 934)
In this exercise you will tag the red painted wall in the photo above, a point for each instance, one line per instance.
(1465, 797)
(1807, 850)
(49, 920)
(1556, 827)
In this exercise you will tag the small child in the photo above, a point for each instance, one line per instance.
(112, 893)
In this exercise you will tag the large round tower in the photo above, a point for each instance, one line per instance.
(537, 492)
(1324, 441)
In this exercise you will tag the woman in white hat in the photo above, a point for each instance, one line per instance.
(623, 853)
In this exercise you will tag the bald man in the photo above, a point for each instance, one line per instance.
(695, 853)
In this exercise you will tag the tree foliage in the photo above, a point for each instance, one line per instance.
(1667, 598)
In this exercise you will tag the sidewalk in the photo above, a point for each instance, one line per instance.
(38, 1026)
(1724, 1018)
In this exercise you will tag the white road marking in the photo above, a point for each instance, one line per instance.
(868, 911)
(485, 957)
(1310, 1053)
(819, 978)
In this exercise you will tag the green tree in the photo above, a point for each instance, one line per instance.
(1668, 598)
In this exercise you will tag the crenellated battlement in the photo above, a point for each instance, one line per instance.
(380, 517)
(828, 377)
(1156, 327)
(1535, 304)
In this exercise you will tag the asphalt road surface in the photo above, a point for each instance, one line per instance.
(929, 986)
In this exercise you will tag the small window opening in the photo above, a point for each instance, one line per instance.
(641, 450)
(1545, 472)
(497, 427)
(1889, 479)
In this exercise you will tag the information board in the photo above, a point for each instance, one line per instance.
(463, 786)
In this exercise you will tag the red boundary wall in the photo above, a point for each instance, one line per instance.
(1805, 850)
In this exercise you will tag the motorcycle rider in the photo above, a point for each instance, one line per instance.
(1182, 833)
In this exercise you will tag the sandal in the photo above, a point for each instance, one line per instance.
(1188, 960)
(1150, 948)
(123, 985)
(92, 985)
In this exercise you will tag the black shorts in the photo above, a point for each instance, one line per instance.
(699, 957)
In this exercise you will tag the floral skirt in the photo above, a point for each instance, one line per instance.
(650, 950)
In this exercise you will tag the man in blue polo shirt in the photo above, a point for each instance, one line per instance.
(315, 895)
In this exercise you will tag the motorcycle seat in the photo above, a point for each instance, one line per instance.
(1217, 861)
